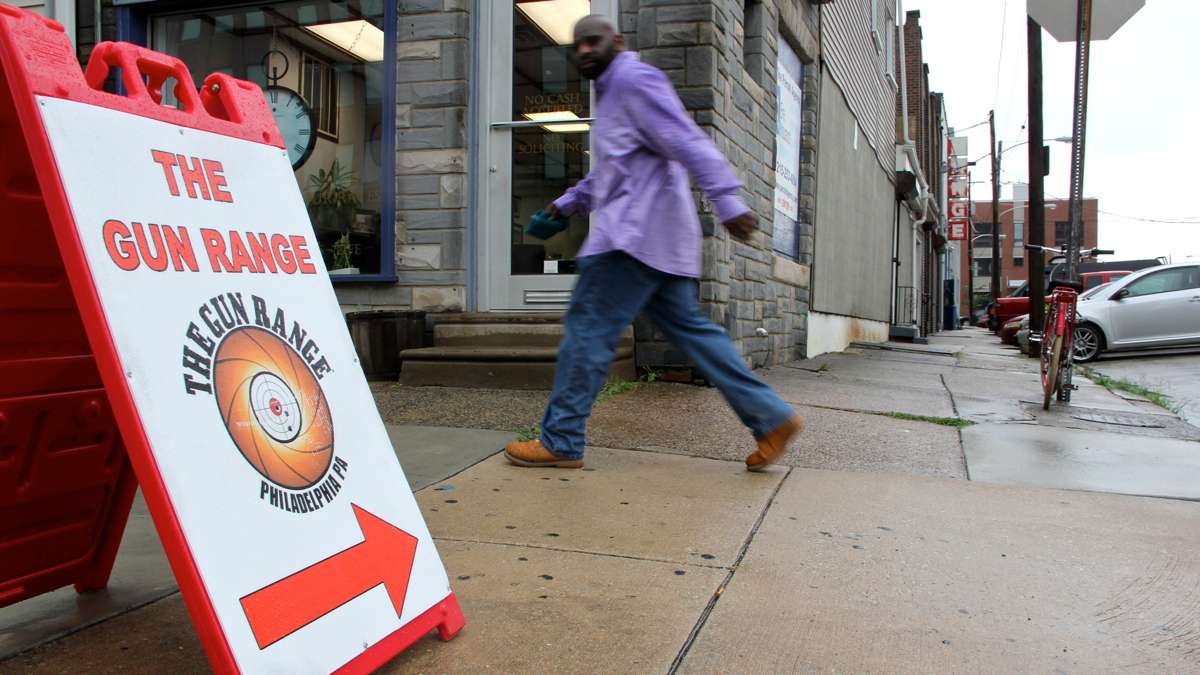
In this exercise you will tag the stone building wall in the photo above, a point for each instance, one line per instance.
(721, 59)
(723, 66)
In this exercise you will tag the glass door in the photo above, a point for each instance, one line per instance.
(535, 147)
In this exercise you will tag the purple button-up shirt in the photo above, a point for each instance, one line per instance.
(644, 145)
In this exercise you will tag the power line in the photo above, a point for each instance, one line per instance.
(1186, 220)
(977, 124)
(1000, 59)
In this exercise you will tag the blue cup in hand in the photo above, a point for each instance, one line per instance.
(544, 226)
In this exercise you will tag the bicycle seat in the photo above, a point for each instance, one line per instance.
(1064, 283)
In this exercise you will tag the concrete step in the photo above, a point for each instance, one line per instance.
(506, 351)
(506, 335)
(484, 354)
(493, 318)
(495, 367)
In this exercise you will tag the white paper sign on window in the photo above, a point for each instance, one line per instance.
(788, 120)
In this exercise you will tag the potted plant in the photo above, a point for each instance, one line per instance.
(340, 254)
(333, 201)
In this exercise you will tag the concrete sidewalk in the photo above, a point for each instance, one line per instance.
(866, 550)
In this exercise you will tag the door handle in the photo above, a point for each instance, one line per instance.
(1195, 298)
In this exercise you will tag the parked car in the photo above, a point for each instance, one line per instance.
(1017, 303)
(1008, 332)
(1152, 308)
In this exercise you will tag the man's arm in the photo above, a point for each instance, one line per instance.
(667, 129)
(576, 200)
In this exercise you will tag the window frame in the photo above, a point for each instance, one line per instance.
(777, 219)
(327, 108)
(875, 25)
(133, 23)
(1185, 272)
(889, 59)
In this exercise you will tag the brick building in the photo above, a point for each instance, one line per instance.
(1014, 220)
(921, 223)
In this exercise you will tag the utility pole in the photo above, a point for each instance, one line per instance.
(1083, 39)
(1037, 183)
(970, 254)
(996, 150)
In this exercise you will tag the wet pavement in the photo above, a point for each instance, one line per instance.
(865, 550)
(1176, 375)
(1071, 459)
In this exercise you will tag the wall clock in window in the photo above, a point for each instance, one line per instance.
(295, 120)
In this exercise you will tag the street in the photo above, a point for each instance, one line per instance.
(1175, 375)
(931, 519)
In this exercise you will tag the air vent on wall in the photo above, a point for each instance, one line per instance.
(547, 297)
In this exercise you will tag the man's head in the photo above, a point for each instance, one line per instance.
(597, 43)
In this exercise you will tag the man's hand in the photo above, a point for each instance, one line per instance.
(553, 211)
(743, 226)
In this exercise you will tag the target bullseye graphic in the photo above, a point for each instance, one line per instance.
(273, 407)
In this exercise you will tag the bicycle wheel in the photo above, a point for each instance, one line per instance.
(1050, 345)
(1051, 365)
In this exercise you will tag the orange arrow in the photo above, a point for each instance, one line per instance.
(385, 556)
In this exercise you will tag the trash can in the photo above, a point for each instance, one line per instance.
(380, 335)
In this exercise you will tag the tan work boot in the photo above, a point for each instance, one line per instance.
(532, 453)
(772, 446)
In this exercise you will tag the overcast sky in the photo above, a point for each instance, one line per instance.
(1144, 101)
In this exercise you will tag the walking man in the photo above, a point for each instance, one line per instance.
(643, 253)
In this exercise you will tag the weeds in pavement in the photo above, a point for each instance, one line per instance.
(824, 367)
(529, 433)
(956, 422)
(618, 386)
(1114, 384)
(609, 390)
(615, 388)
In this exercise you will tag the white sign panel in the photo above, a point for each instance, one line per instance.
(958, 146)
(1061, 17)
(277, 465)
(790, 99)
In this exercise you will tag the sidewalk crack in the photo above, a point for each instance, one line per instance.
(557, 549)
(712, 602)
(962, 447)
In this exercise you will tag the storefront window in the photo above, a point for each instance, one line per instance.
(321, 66)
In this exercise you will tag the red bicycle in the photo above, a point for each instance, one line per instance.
(1058, 334)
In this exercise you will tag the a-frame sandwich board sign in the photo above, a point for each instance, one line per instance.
(200, 322)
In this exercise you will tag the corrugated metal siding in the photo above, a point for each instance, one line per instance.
(857, 67)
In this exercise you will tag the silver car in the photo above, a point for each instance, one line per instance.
(1152, 308)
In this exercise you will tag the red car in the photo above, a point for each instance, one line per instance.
(1008, 332)
(1004, 310)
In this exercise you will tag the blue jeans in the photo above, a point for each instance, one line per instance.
(613, 288)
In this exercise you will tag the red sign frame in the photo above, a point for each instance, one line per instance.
(77, 394)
